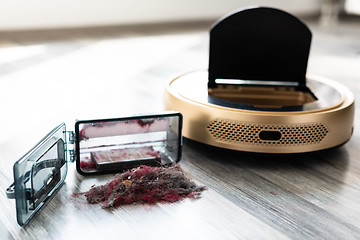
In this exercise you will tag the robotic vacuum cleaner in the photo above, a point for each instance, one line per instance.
(256, 95)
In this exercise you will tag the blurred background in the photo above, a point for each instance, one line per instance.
(42, 14)
(36, 14)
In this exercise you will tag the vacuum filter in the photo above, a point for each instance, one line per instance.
(256, 95)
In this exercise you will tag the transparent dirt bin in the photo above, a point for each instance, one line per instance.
(105, 145)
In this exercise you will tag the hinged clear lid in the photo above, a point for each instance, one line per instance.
(38, 174)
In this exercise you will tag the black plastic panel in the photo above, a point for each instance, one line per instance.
(263, 44)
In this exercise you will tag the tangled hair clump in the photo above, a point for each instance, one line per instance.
(145, 184)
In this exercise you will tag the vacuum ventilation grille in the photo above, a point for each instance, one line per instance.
(245, 133)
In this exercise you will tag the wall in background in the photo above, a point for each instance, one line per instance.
(40, 14)
(352, 6)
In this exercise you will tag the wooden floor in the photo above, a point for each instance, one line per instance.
(47, 77)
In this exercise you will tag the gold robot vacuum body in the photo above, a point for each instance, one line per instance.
(256, 95)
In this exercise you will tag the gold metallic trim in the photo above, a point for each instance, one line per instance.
(338, 121)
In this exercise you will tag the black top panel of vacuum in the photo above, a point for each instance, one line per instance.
(259, 45)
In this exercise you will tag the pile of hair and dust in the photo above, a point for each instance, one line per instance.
(145, 184)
